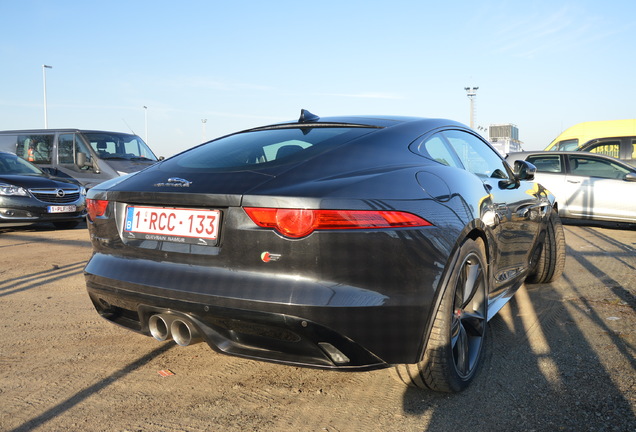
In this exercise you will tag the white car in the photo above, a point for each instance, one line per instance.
(587, 185)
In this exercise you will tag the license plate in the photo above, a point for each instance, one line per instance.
(172, 224)
(62, 209)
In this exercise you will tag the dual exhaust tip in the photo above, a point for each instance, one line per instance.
(164, 326)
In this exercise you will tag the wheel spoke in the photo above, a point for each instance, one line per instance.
(472, 279)
(473, 323)
(461, 351)
(468, 321)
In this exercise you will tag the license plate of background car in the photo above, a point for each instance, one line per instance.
(62, 209)
(196, 226)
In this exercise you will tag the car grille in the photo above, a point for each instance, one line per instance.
(56, 196)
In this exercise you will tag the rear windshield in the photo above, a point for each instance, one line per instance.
(262, 148)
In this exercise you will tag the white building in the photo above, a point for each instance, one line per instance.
(505, 138)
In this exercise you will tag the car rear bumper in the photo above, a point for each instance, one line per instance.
(276, 318)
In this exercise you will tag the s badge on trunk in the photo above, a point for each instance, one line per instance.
(268, 257)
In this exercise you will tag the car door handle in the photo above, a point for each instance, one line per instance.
(574, 181)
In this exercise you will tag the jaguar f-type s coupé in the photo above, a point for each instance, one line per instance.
(350, 243)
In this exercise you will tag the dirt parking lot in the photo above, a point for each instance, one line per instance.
(560, 357)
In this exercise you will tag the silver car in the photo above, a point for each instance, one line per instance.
(587, 185)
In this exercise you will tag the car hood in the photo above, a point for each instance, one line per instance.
(35, 181)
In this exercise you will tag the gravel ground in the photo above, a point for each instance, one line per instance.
(559, 357)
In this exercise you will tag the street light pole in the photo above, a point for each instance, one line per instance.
(471, 92)
(146, 122)
(203, 122)
(46, 120)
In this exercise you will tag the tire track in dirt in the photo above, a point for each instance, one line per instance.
(163, 426)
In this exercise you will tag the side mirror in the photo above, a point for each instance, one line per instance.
(80, 159)
(630, 177)
(524, 170)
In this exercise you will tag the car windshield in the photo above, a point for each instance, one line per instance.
(266, 147)
(110, 145)
(11, 164)
(567, 145)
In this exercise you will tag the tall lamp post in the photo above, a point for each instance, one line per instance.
(471, 92)
(146, 122)
(203, 134)
(46, 119)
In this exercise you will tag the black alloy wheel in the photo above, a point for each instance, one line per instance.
(455, 345)
(468, 317)
(548, 261)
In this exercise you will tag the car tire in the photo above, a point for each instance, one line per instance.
(549, 259)
(66, 224)
(454, 348)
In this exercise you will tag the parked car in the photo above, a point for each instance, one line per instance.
(88, 156)
(587, 186)
(615, 138)
(28, 195)
(349, 243)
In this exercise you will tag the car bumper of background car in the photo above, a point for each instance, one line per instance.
(25, 215)
(302, 322)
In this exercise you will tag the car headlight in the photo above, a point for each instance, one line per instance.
(11, 190)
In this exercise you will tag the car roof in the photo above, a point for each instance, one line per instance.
(550, 152)
(525, 154)
(378, 121)
(63, 130)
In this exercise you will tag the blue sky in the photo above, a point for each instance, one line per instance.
(541, 65)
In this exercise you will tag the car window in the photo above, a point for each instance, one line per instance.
(265, 147)
(112, 145)
(68, 147)
(609, 148)
(437, 149)
(592, 167)
(567, 145)
(476, 156)
(35, 148)
(546, 163)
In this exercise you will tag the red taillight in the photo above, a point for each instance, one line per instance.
(95, 208)
(298, 223)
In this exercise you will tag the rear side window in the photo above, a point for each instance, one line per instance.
(476, 156)
(547, 164)
(265, 147)
(608, 148)
(436, 148)
(35, 148)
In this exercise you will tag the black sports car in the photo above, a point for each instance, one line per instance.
(346, 242)
(28, 195)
